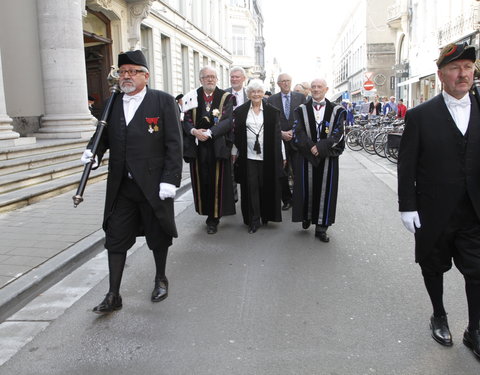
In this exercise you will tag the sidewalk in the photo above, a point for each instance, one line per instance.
(41, 243)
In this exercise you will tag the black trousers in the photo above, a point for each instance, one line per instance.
(133, 216)
(255, 189)
(287, 173)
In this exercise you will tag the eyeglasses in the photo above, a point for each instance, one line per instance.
(208, 77)
(131, 72)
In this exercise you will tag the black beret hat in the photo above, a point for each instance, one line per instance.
(456, 51)
(133, 58)
(179, 96)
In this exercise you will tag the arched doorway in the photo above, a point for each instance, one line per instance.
(98, 57)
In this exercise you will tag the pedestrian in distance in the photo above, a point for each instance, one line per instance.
(402, 109)
(439, 188)
(319, 139)
(145, 167)
(286, 101)
(207, 128)
(259, 164)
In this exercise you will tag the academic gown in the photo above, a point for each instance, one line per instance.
(210, 165)
(316, 180)
(270, 199)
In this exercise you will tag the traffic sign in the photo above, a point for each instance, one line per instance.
(368, 85)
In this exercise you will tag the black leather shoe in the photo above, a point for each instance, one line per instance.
(306, 224)
(322, 236)
(286, 206)
(253, 228)
(471, 339)
(211, 228)
(160, 290)
(111, 303)
(440, 331)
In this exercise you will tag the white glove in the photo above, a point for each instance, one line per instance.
(167, 190)
(87, 158)
(411, 220)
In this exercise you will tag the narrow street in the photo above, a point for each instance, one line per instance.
(273, 303)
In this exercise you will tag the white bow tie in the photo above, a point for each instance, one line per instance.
(460, 103)
(128, 98)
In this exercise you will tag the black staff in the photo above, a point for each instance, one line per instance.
(101, 124)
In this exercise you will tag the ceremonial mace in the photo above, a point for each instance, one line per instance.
(101, 124)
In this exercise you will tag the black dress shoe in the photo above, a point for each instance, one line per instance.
(471, 339)
(112, 302)
(211, 228)
(440, 331)
(322, 236)
(286, 206)
(160, 290)
(253, 228)
(306, 224)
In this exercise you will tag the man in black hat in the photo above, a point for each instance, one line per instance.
(145, 165)
(439, 188)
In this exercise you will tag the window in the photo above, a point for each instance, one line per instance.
(239, 40)
(185, 70)
(166, 64)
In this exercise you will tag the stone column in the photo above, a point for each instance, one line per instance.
(7, 136)
(64, 71)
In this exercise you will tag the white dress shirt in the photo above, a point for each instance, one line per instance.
(131, 104)
(459, 109)
(239, 97)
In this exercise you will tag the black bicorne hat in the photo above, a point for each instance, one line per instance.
(132, 57)
(456, 51)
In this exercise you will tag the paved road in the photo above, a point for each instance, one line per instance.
(276, 302)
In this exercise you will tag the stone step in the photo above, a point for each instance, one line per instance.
(41, 146)
(31, 162)
(23, 179)
(22, 197)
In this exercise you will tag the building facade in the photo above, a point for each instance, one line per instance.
(64, 50)
(364, 52)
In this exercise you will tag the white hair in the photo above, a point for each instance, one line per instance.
(255, 84)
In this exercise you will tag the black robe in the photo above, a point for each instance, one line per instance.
(210, 161)
(149, 148)
(270, 201)
(316, 178)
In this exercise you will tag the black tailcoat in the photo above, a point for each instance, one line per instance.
(272, 161)
(437, 165)
(150, 156)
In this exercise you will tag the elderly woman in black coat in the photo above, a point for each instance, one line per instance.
(258, 158)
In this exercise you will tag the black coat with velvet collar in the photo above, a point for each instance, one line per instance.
(272, 160)
(437, 165)
(150, 148)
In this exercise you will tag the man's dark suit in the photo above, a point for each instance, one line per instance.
(295, 100)
(287, 124)
(437, 166)
(151, 157)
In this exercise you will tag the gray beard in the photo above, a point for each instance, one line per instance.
(127, 88)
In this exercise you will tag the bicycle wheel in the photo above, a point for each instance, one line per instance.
(367, 141)
(379, 144)
(353, 139)
(391, 153)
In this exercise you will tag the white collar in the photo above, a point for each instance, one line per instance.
(137, 97)
(450, 100)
